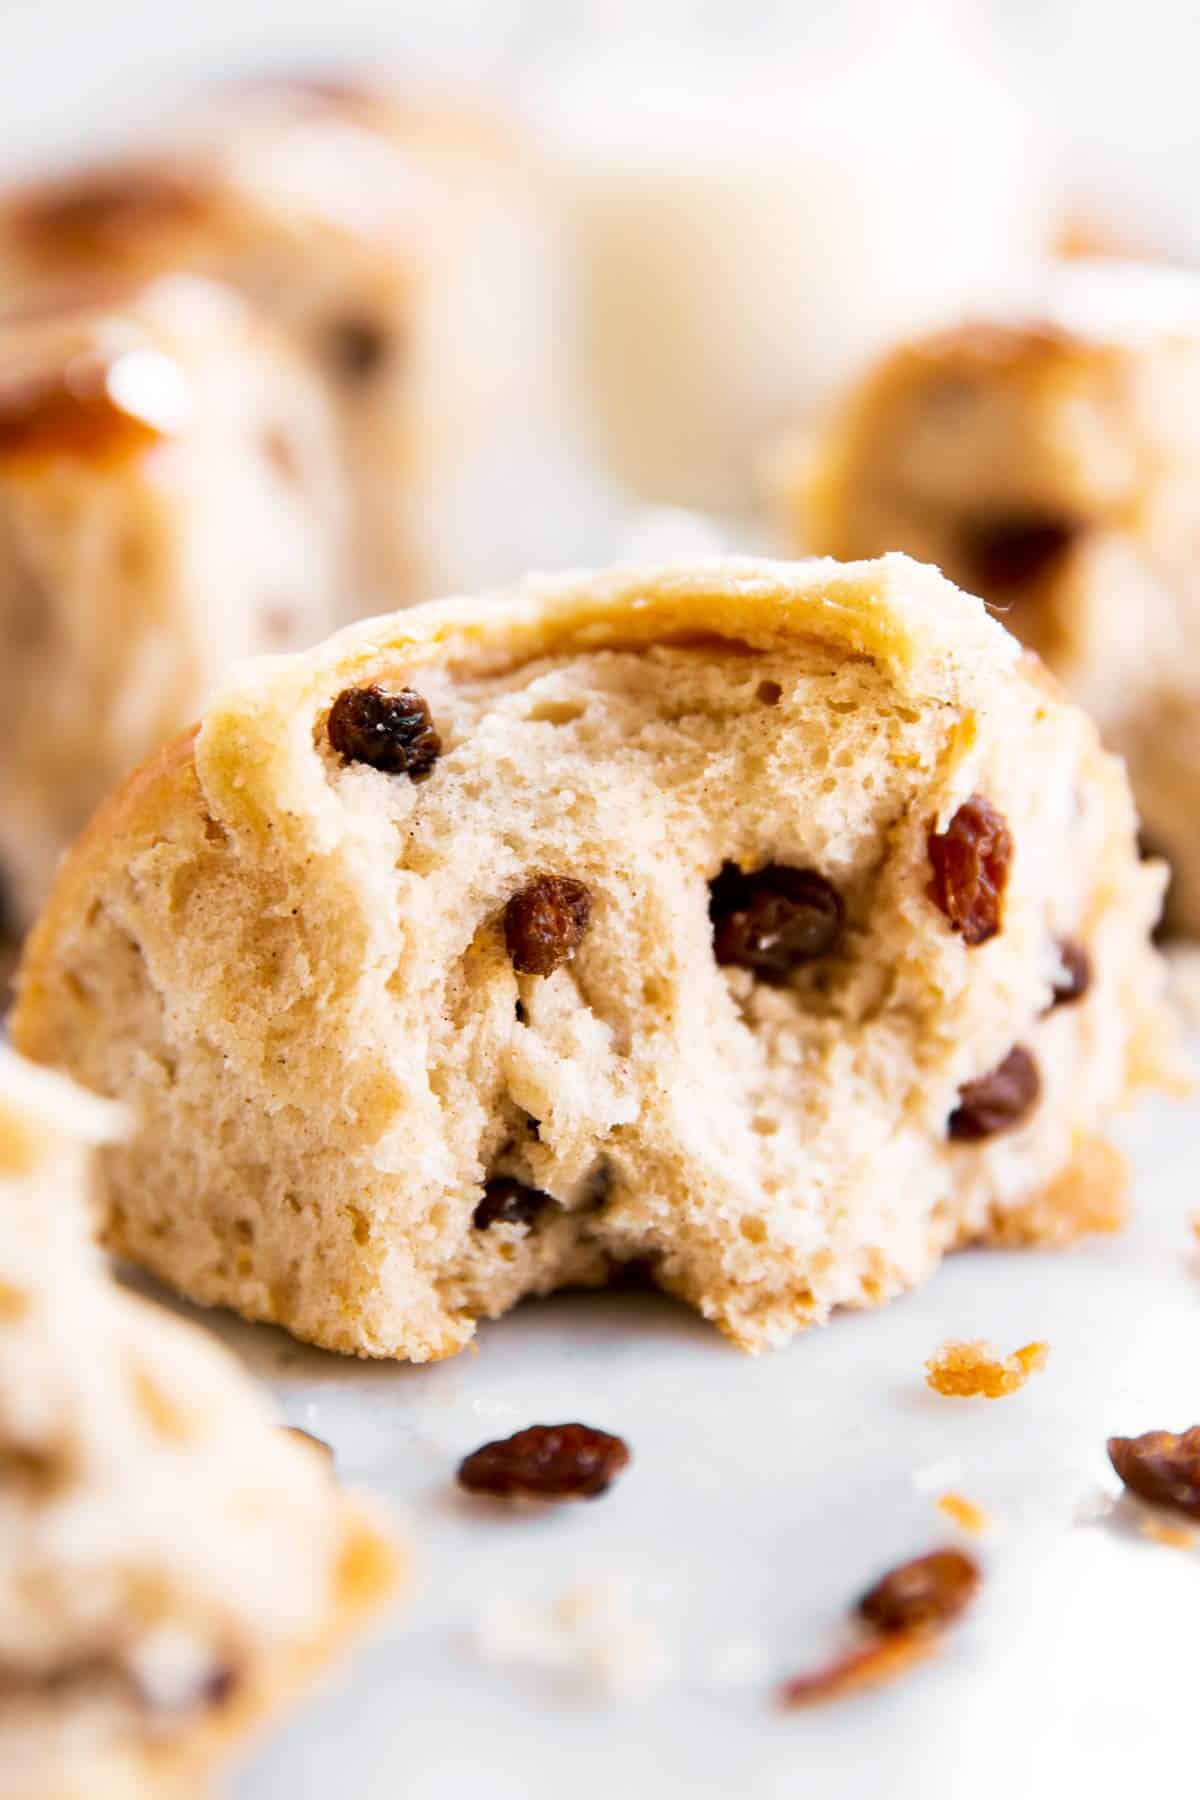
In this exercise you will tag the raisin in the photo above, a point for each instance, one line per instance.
(1007, 554)
(357, 349)
(1076, 975)
(998, 1101)
(220, 1686)
(1161, 1466)
(544, 923)
(507, 1202)
(392, 732)
(970, 862)
(929, 1591)
(773, 920)
(546, 1462)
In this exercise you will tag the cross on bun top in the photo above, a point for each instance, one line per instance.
(774, 927)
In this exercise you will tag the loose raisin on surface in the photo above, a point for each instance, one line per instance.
(392, 732)
(1161, 1466)
(773, 920)
(970, 862)
(357, 348)
(507, 1202)
(931, 1590)
(1076, 975)
(1006, 554)
(546, 1462)
(998, 1101)
(544, 923)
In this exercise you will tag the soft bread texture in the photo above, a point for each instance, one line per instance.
(1079, 422)
(170, 502)
(293, 969)
(174, 1567)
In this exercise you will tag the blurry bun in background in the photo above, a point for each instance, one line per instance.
(171, 499)
(1049, 460)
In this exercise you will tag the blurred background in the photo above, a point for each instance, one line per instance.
(740, 201)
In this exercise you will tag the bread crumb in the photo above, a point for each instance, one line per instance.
(961, 1367)
(966, 1514)
(1175, 1537)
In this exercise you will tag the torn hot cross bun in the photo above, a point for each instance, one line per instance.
(1050, 463)
(775, 926)
(175, 1567)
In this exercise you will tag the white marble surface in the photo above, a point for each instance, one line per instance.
(762, 1496)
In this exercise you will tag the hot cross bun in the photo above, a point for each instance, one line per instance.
(774, 927)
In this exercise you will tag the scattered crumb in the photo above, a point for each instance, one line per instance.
(868, 1665)
(966, 1514)
(546, 1463)
(1175, 1537)
(1194, 1222)
(960, 1367)
(593, 1636)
